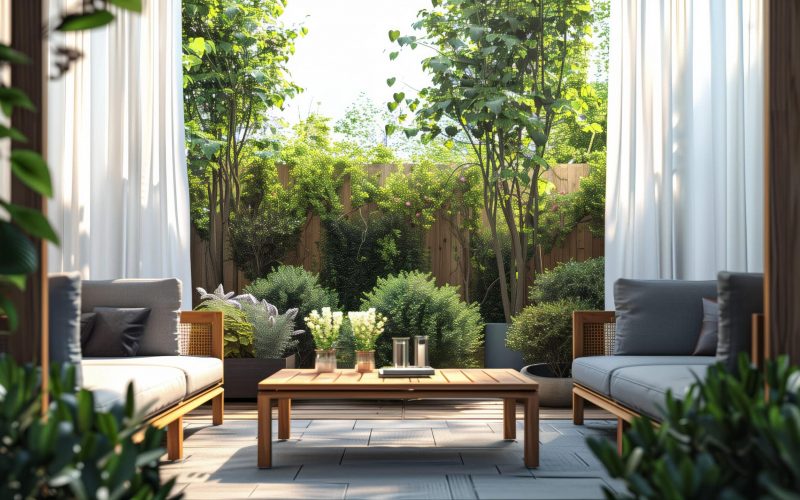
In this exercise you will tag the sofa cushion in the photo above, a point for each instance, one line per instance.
(659, 317)
(644, 388)
(740, 296)
(200, 372)
(117, 331)
(707, 341)
(64, 341)
(155, 387)
(162, 297)
(595, 372)
(87, 327)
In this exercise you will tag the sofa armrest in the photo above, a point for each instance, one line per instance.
(593, 333)
(201, 333)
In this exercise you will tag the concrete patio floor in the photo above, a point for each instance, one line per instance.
(397, 459)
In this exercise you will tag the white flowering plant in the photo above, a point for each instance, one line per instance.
(367, 327)
(325, 327)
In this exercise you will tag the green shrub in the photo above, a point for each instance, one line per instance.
(237, 330)
(728, 438)
(583, 281)
(355, 253)
(272, 332)
(543, 334)
(414, 305)
(289, 287)
(74, 451)
(485, 284)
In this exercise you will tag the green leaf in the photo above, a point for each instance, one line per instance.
(198, 46)
(20, 281)
(12, 133)
(131, 5)
(476, 32)
(31, 221)
(390, 81)
(496, 105)
(393, 56)
(394, 35)
(12, 56)
(80, 22)
(398, 97)
(17, 253)
(451, 130)
(14, 98)
(7, 307)
(30, 168)
(391, 105)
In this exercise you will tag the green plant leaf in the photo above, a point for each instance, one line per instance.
(31, 221)
(391, 105)
(12, 133)
(87, 21)
(398, 97)
(7, 308)
(390, 81)
(31, 169)
(17, 253)
(393, 56)
(14, 98)
(394, 35)
(131, 5)
(17, 280)
(12, 56)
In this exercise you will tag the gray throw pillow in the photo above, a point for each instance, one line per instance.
(740, 296)
(117, 332)
(659, 317)
(87, 327)
(64, 341)
(707, 343)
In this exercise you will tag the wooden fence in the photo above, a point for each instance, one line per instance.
(449, 254)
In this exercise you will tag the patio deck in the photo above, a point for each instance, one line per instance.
(417, 450)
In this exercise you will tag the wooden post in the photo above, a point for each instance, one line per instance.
(782, 179)
(509, 418)
(30, 342)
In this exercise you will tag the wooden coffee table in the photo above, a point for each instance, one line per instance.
(505, 384)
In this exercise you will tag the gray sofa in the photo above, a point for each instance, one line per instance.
(178, 365)
(626, 360)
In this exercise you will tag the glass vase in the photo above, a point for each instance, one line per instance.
(326, 360)
(365, 361)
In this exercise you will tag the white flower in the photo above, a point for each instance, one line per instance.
(325, 327)
(367, 327)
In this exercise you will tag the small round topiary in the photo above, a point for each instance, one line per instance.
(414, 305)
(543, 334)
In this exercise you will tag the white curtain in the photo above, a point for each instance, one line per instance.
(116, 150)
(684, 193)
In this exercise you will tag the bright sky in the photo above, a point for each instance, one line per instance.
(346, 52)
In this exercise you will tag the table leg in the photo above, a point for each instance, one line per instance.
(532, 431)
(284, 418)
(509, 419)
(264, 431)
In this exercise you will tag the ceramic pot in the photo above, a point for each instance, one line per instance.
(554, 392)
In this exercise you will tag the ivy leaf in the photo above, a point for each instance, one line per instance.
(17, 253)
(393, 56)
(398, 97)
(7, 307)
(31, 221)
(12, 56)
(11, 98)
(12, 133)
(390, 81)
(31, 169)
(391, 105)
(131, 5)
(90, 20)
(394, 35)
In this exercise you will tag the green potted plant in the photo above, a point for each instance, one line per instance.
(367, 327)
(257, 339)
(325, 328)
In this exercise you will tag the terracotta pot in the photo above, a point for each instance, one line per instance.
(365, 361)
(242, 375)
(554, 392)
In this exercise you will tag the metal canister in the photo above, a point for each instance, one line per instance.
(421, 350)
(400, 352)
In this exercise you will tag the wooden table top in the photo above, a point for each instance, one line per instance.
(467, 379)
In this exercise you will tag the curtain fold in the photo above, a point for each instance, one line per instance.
(116, 150)
(684, 192)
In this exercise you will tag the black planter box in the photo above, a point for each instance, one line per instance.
(242, 375)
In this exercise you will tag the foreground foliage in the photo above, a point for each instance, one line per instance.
(728, 438)
(74, 451)
(414, 305)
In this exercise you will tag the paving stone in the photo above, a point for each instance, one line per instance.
(461, 486)
(400, 489)
(401, 424)
(300, 490)
(472, 438)
(515, 469)
(404, 456)
(402, 437)
(389, 471)
(203, 491)
(330, 425)
(489, 487)
(335, 439)
(471, 426)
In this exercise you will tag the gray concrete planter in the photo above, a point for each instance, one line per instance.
(242, 375)
(554, 392)
(496, 354)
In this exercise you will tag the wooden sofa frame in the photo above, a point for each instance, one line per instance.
(594, 333)
(200, 334)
